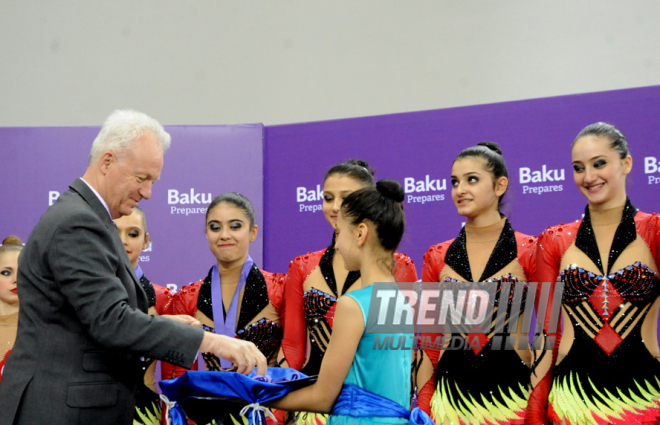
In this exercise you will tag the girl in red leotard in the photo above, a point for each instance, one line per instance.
(480, 385)
(235, 298)
(604, 369)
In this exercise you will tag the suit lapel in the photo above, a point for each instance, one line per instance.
(136, 295)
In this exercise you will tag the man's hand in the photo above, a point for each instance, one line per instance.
(183, 318)
(244, 354)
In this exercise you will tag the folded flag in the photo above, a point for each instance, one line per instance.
(231, 386)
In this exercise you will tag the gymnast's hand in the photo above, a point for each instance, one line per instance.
(244, 354)
(183, 318)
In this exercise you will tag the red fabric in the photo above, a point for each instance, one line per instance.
(434, 262)
(425, 394)
(537, 403)
(404, 268)
(605, 299)
(184, 301)
(163, 300)
(295, 332)
(275, 282)
(552, 246)
(294, 344)
(164, 306)
(2, 363)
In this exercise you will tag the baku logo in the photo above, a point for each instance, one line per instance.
(306, 195)
(174, 197)
(652, 166)
(530, 179)
(426, 186)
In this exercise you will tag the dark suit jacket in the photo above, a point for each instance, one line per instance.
(82, 325)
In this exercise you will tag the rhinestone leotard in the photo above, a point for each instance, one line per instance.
(608, 376)
(482, 384)
(264, 333)
(607, 313)
(319, 308)
(479, 385)
(261, 289)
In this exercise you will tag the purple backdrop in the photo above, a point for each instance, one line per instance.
(203, 161)
(415, 148)
(418, 149)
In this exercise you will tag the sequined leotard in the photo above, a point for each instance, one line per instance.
(608, 376)
(312, 312)
(478, 385)
(261, 290)
(158, 297)
(306, 310)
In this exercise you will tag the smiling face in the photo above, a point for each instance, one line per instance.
(8, 271)
(335, 188)
(599, 172)
(229, 234)
(133, 234)
(473, 190)
(131, 174)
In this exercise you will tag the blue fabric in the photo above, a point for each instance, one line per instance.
(385, 371)
(226, 326)
(356, 402)
(138, 272)
(229, 386)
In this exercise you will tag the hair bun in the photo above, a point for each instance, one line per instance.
(361, 163)
(492, 146)
(390, 189)
(12, 240)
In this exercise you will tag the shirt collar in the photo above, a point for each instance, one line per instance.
(105, 205)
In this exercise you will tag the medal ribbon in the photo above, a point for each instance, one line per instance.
(138, 272)
(222, 325)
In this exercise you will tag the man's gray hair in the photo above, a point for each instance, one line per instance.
(122, 128)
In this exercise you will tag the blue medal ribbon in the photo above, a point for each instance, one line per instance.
(221, 325)
(138, 272)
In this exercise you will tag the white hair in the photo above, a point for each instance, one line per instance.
(122, 128)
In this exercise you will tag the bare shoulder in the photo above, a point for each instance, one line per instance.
(348, 303)
(348, 310)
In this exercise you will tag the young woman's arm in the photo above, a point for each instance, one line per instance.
(429, 352)
(548, 259)
(294, 342)
(346, 333)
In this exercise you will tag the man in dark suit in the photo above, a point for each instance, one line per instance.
(82, 323)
